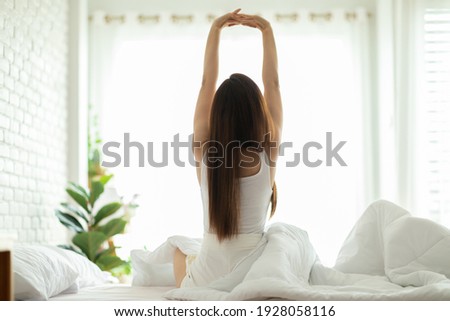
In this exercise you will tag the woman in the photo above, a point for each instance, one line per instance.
(238, 130)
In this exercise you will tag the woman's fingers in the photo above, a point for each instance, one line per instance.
(227, 19)
(235, 18)
(249, 22)
(253, 21)
(246, 16)
(232, 17)
(231, 23)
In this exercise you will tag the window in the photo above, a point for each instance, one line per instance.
(145, 81)
(434, 117)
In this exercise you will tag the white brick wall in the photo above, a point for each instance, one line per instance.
(33, 117)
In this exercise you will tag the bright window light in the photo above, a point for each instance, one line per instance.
(151, 93)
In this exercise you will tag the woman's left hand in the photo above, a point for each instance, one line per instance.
(227, 20)
(254, 21)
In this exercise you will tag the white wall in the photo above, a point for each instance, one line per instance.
(33, 117)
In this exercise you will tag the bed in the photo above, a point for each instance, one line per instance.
(388, 255)
(116, 292)
(46, 272)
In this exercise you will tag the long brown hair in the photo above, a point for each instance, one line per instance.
(239, 119)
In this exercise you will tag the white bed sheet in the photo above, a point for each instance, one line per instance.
(116, 292)
(389, 255)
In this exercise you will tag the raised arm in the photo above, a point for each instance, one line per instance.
(209, 80)
(269, 70)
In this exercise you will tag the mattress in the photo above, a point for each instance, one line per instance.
(116, 292)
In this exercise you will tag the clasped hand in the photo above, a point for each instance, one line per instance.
(235, 18)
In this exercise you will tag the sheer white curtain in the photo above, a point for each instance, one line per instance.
(413, 62)
(145, 79)
(325, 74)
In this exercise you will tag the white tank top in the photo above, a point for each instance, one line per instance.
(255, 190)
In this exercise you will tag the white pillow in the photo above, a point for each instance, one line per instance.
(40, 273)
(89, 274)
(363, 250)
(148, 273)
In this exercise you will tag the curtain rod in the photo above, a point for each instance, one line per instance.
(280, 17)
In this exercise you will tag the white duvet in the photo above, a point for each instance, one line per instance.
(389, 255)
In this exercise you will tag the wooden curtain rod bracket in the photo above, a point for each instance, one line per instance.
(321, 16)
(144, 18)
(286, 17)
(328, 16)
(178, 18)
(110, 18)
(350, 16)
(210, 17)
(280, 17)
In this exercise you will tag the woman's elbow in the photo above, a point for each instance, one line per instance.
(272, 83)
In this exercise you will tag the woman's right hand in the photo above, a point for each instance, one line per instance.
(227, 20)
(254, 21)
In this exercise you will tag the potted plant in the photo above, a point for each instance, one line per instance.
(93, 228)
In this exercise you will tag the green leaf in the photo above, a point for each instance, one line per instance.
(69, 221)
(75, 210)
(105, 179)
(89, 243)
(96, 190)
(108, 252)
(71, 248)
(78, 197)
(106, 211)
(124, 269)
(113, 227)
(79, 189)
(109, 262)
(96, 156)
